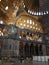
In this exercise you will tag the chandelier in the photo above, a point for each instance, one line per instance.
(36, 7)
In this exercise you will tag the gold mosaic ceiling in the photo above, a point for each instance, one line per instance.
(28, 22)
(9, 9)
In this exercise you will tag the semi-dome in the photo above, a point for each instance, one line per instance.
(36, 7)
(28, 22)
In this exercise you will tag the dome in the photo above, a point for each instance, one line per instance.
(37, 7)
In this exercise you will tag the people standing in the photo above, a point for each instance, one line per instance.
(36, 50)
(31, 50)
(26, 50)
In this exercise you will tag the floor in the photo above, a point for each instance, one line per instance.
(24, 62)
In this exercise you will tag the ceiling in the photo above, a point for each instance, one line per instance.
(38, 5)
(28, 22)
(11, 9)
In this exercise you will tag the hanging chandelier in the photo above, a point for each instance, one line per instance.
(36, 7)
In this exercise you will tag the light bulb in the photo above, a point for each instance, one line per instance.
(30, 21)
(27, 21)
(27, 25)
(0, 0)
(24, 25)
(6, 8)
(20, 23)
(1, 22)
(30, 26)
(33, 22)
